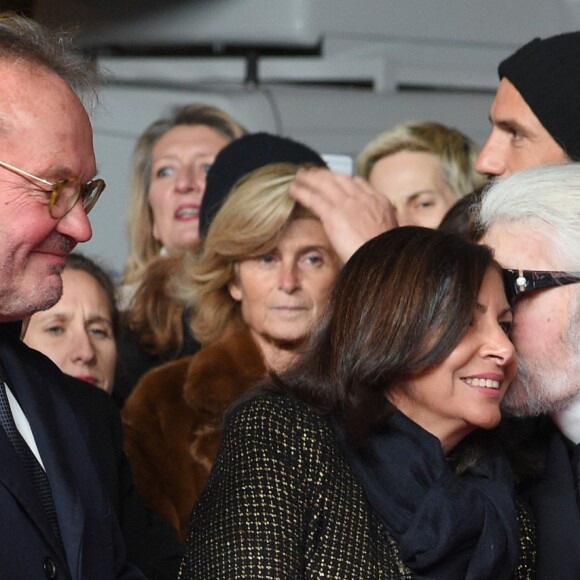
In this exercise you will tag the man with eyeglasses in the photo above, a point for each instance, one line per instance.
(532, 221)
(64, 480)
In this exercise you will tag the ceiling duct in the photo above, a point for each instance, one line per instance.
(383, 44)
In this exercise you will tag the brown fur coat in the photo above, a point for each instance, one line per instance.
(172, 421)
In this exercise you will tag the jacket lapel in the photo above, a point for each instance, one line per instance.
(60, 445)
(15, 479)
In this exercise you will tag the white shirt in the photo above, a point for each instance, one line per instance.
(568, 420)
(22, 424)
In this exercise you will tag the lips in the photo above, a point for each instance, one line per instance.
(483, 383)
(88, 379)
(56, 246)
(187, 212)
(289, 309)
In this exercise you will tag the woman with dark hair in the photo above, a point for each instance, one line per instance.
(79, 333)
(374, 456)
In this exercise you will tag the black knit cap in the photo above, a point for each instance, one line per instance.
(243, 156)
(546, 72)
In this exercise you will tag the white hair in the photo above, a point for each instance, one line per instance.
(547, 197)
(548, 383)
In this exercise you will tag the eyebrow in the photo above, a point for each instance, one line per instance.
(510, 125)
(55, 316)
(59, 171)
(66, 315)
(416, 194)
(321, 248)
(483, 309)
(99, 318)
(176, 156)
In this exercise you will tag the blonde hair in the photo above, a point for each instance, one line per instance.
(143, 247)
(250, 222)
(456, 152)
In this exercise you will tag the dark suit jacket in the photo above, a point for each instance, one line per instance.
(149, 541)
(553, 499)
(64, 435)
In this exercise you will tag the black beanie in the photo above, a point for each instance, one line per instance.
(546, 73)
(243, 156)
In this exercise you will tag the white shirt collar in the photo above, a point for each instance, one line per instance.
(568, 420)
(22, 424)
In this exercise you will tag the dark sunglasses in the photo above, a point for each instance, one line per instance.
(519, 281)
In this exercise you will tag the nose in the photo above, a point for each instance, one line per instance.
(289, 278)
(403, 217)
(83, 351)
(499, 347)
(491, 160)
(190, 178)
(75, 224)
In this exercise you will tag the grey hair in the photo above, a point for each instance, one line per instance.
(547, 196)
(23, 39)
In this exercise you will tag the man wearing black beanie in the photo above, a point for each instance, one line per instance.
(535, 117)
(531, 223)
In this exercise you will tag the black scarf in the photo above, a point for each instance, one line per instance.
(446, 525)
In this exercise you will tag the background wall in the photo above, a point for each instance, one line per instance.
(331, 73)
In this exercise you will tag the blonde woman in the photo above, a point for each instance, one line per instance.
(170, 162)
(423, 168)
(258, 285)
(157, 328)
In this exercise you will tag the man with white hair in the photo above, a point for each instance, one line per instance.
(532, 221)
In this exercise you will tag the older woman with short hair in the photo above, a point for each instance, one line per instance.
(257, 286)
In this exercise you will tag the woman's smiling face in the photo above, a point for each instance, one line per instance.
(464, 392)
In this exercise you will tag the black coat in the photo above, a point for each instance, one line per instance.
(76, 428)
(149, 541)
(553, 499)
(285, 503)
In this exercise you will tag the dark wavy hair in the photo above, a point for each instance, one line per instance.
(399, 307)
